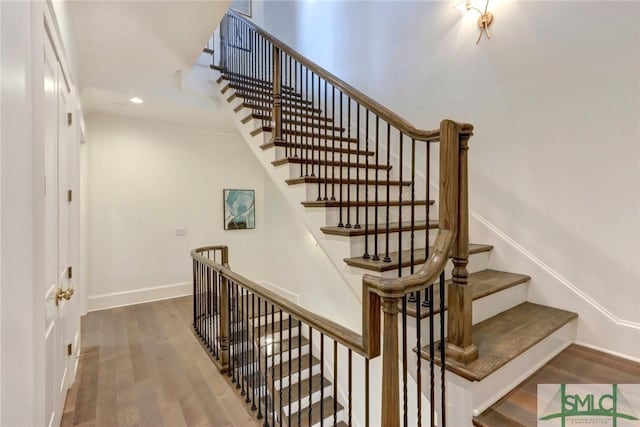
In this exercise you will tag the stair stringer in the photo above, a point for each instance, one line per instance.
(334, 248)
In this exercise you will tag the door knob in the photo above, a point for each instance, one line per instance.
(64, 294)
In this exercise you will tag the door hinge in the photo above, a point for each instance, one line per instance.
(69, 119)
(69, 196)
(69, 349)
(69, 272)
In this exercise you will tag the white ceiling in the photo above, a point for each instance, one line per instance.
(147, 49)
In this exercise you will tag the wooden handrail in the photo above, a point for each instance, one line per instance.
(375, 107)
(363, 344)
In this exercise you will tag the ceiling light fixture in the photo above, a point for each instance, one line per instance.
(136, 100)
(485, 19)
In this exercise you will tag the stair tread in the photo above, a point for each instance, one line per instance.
(574, 365)
(483, 283)
(294, 160)
(311, 147)
(316, 121)
(316, 417)
(287, 98)
(282, 369)
(287, 108)
(234, 77)
(319, 135)
(317, 382)
(361, 203)
(370, 229)
(287, 115)
(419, 257)
(322, 180)
(505, 336)
(259, 89)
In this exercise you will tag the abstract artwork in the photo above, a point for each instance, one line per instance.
(239, 209)
(242, 6)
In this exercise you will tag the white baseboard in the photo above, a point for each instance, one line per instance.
(138, 296)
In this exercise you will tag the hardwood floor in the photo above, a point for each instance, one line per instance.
(142, 366)
(574, 365)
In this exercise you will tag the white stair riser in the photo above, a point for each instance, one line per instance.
(333, 190)
(333, 214)
(356, 243)
(304, 402)
(317, 154)
(477, 262)
(334, 171)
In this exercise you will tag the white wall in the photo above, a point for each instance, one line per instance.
(17, 310)
(302, 267)
(145, 180)
(555, 104)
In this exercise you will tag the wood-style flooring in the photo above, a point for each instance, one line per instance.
(574, 365)
(142, 366)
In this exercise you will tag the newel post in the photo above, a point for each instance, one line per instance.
(459, 315)
(224, 314)
(277, 96)
(390, 368)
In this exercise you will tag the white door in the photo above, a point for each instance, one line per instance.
(57, 231)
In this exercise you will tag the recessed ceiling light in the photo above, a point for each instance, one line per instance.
(136, 100)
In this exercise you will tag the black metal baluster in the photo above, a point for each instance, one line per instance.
(350, 391)
(234, 314)
(281, 368)
(432, 353)
(299, 370)
(348, 224)
(366, 186)
(195, 297)
(311, 130)
(376, 256)
(357, 224)
(419, 357)
(386, 253)
(333, 143)
(310, 373)
(257, 378)
(252, 343)
(273, 364)
(443, 397)
(428, 207)
(230, 327)
(290, 340)
(400, 163)
(340, 223)
(302, 123)
(405, 406)
(326, 142)
(335, 384)
(243, 344)
(321, 376)
(366, 392)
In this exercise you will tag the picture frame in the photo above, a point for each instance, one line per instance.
(239, 209)
(243, 7)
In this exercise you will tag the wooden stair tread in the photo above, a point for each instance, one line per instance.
(311, 147)
(394, 227)
(315, 121)
(317, 382)
(257, 97)
(319, 135)
(505, 336)
(286, 116)
(316, 417)
(321, 162)
(361, 203)
(483, 283)
(322, 180)
(574, 365)
(258, 89)
(419, 257)
(282, 369)
(240, 78)
(287, 108)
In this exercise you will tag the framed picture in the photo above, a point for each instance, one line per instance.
(239, 209)
(241, 6)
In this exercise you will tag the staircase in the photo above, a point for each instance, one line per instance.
(363, 178)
